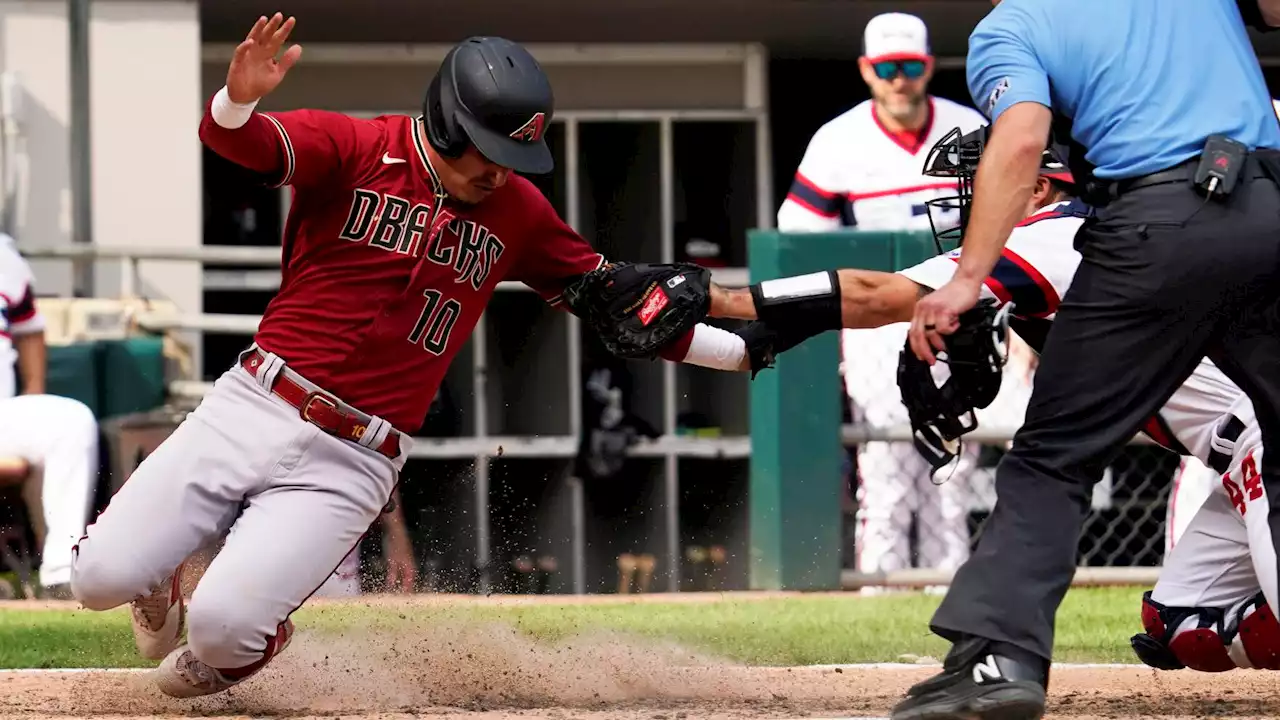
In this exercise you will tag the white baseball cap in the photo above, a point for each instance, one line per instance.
(895, 36)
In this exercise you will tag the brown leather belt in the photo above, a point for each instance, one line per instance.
(321, 409)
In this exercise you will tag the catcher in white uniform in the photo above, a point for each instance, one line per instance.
(863, 169)
(56, 437)
(1211, 608)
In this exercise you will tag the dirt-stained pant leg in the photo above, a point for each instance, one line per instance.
(295, 500)
(286, 543)
(181, 496)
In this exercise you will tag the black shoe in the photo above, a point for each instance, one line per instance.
(977, 682)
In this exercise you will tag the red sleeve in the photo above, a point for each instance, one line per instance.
(556, 254)
(298, 147)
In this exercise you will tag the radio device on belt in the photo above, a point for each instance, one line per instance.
(1220, 165)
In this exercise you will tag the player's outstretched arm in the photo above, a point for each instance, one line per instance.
(867, 299)
(789, 311)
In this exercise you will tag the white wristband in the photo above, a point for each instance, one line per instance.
(230, 115)
(715, 348)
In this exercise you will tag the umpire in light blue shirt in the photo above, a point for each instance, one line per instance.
(1172, 131)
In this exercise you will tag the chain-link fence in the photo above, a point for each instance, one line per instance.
(898, 518)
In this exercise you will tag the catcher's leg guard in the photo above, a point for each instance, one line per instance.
(1209, 639)
(1257, 636)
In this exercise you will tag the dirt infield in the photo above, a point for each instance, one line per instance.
(494, 673)
(484, 687)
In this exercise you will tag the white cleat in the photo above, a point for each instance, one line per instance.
(181, 675)
(160, 617)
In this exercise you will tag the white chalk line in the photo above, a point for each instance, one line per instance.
(911, 666)
(853, 667)
(65, 671)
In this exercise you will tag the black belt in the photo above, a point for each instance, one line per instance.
(1182, 172)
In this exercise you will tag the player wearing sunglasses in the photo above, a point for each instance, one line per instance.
(864, 168)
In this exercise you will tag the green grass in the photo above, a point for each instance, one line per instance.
(1094, 625)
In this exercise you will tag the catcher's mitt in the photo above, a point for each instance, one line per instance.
(639, 308)
(975, 355)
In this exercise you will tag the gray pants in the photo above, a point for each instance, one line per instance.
(293, 500)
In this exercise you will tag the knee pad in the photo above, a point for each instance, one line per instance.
(1206, 639)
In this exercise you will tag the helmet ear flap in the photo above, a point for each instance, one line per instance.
(443, 131)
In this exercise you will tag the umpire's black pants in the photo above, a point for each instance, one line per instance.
(1166, 278)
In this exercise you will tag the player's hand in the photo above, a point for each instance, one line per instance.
(254, 70)
(402, 569)
(938, 314)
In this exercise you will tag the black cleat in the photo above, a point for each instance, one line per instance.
(976, 682)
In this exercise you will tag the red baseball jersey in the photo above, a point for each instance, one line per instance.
(383, 277)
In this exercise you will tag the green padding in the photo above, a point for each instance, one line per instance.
(112, 377)
(796, 453)
(132, 375)
(73, 373)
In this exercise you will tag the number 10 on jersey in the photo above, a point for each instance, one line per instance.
(436, 322)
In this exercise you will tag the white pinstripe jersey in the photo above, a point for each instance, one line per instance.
(1034, 272)
(855, 172)
(18, 313)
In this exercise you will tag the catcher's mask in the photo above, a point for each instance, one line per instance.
(957, 155)
(975, 356)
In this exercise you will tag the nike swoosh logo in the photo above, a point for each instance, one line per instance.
(388, 160)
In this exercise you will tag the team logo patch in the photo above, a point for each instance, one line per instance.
(652, 306)
(996, 92)
(532, 131)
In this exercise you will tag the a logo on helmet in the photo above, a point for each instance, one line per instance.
(532, 131)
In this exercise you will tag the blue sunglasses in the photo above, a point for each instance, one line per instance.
(910, 69)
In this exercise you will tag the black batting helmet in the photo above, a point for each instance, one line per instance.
(491, 93)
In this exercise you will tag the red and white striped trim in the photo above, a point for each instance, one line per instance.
(290, 156)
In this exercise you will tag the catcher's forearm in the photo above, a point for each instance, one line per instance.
(867, 299)
(796, 309)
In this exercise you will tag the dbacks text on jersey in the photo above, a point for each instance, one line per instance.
(390, 223)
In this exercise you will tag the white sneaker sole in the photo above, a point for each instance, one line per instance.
(175, 683)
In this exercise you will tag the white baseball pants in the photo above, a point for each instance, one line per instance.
(294, 499)
(894, 484)
(1192, 484)
(1226, 553)
(58, 436)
